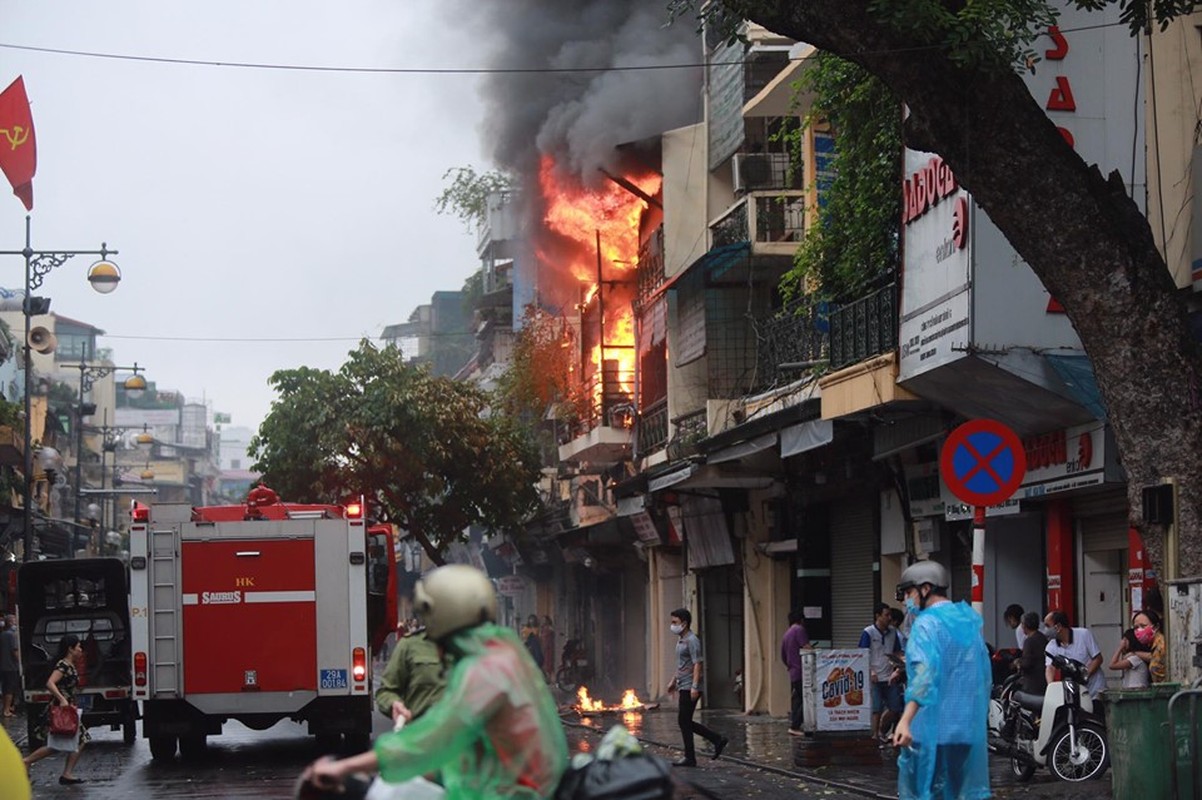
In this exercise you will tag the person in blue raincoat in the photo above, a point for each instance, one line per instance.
(941, 734)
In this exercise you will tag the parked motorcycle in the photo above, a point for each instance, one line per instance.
(1057, 729)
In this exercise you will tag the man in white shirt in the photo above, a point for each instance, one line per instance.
(1079, 645)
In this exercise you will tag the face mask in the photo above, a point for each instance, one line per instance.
(676, 629)
(912, 605)
(1048, 632)
(1145, 635)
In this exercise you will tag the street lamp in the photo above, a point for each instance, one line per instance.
(88, 375)
(104, 277)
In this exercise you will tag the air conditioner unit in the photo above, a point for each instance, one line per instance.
(754, 171)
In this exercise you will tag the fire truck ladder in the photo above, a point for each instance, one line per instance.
(164, 625)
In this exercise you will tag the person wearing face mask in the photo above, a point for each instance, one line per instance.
(688, 683)
(1079, 645)
(1147, 633)
(942, 731)
(1127, 659)
(1030, 663)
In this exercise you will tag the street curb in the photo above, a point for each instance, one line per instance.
(833, 784)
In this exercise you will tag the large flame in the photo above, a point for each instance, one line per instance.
(602, 224)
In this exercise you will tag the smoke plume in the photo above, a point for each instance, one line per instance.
(579, 118)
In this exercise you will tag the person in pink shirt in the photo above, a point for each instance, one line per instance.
(791, 644)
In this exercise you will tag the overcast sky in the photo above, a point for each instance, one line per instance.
(246, 204)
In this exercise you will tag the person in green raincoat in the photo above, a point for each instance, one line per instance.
(942, 732)
(495, 733)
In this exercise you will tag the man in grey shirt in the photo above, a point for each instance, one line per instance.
(10, 664)
(688, 683)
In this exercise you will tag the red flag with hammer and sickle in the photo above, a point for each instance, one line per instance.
(18, 150)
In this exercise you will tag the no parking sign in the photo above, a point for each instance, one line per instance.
(983, 463)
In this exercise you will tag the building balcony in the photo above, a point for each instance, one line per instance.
(863, 357)
(652, 428)
(650, 272)
(864, 328)
(499, 223)
(602, 429)
(12, 447)
(791, 343)
(688, 430)
(773, 221)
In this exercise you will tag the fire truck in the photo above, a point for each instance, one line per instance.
(256, 613)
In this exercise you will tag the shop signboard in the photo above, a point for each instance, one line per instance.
(1065, 459)
(511, 585)
(836, 691)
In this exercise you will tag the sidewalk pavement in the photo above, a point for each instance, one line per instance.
(852, 765)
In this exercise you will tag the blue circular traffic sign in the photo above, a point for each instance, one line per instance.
(983, 462)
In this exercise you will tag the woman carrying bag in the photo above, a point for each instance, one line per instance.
(59, 724)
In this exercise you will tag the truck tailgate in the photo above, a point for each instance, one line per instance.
(249, 615)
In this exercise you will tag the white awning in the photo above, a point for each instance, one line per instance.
(670, 478)
(806, 436)
(742, 449)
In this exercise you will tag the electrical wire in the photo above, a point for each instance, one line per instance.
(264, 65)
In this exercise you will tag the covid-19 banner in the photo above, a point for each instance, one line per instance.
(843, 696)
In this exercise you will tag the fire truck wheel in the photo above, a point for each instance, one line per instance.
(327, 743)
(129, 726)
(193, 746)
(358, 742)
(162, 748)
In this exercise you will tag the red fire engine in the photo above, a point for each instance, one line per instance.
(256, 613)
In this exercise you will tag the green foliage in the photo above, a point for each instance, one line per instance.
(466, 196)
(538, 379)
(985, 34)
(422, 449)
(538, 373)
(855, 243)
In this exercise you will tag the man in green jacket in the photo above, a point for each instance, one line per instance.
(413, 678)
(495, 733)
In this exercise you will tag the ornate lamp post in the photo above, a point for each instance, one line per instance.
(104, 277)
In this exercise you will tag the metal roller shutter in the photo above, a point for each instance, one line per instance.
(1102, 520)
(853, 581)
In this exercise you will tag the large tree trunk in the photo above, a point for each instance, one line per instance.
(1081, 234)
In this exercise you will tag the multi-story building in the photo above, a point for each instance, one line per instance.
(768, 456)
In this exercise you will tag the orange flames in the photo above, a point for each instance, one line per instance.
(630, 702)
(580, 215)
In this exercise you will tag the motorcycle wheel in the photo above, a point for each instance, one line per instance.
(1087, 761)
(1022, 768)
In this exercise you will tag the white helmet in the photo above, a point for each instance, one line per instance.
(454, 597)
(921, 572)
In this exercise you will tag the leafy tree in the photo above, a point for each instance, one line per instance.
(467, 194)
(538, 378)
(421, 449)
(855, 243)
(953, 64)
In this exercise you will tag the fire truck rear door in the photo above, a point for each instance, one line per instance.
(249, 607)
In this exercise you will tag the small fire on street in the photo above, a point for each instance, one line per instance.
(587, 706)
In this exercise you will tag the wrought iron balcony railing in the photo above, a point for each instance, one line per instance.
(790, 342)
(864, 328)
(652, 428)
(690, 429)
(651, 265)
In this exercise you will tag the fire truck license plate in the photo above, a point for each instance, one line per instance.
(333, 679)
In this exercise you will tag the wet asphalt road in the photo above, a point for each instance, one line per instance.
(243, 764)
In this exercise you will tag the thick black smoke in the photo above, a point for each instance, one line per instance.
(579, 118)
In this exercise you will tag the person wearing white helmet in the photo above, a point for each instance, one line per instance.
(496, 731)
(942, 731)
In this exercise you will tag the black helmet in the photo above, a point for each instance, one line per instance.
(921, 572)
